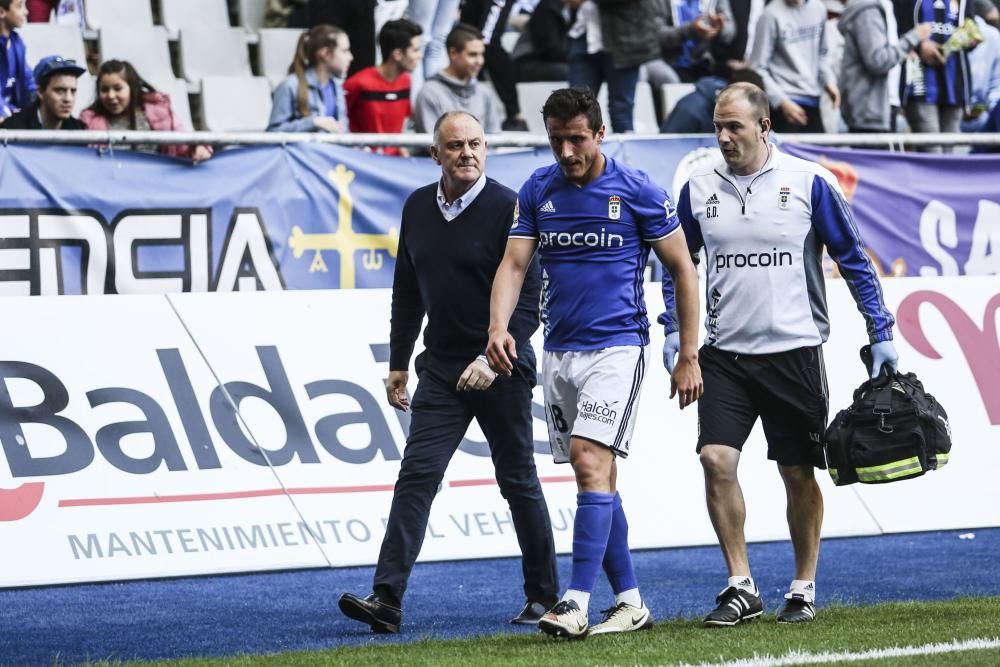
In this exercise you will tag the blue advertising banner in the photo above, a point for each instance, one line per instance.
(920, 214)
(307, 216)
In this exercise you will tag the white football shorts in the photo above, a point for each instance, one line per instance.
(593, 394)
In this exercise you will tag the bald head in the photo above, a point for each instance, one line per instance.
(750, 93)
(448, 118)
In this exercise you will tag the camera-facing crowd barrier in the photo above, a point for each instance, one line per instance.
(148, 436)
(78, 220)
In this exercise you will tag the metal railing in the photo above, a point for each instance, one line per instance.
(505, 140)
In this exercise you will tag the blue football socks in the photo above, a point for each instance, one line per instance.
(617, 558)
(591, 529)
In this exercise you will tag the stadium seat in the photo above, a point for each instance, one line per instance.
(532, 96)
(671, 93)
(145, 47)
(180, 103)
(102, 14)
(208, 51)
(235, 103)
(251, 14)
(46, 39)
(275, 53)
(179, 14)
(508, 40)
(643, 112)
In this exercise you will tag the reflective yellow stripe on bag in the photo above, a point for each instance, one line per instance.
(888, 471)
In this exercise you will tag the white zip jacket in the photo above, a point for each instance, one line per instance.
(765, 290)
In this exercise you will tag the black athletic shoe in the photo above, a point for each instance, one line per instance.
(735, 605)
(380, 616)
(531, 614)
(797, 610)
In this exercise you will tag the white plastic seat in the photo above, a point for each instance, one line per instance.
(671, 93)
(102, 14)
(48, 39)
(532, 95)
(235, 103)
(177, 15)
(146, 48)
(251, 14)
(213, 52)
(275, 53)
(180, 103)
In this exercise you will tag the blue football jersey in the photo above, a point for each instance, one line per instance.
(593, 242)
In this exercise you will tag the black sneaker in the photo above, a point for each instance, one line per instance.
(382, 617)
(797, 609)
(735, 605)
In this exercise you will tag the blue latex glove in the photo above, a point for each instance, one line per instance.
(884, 353)
(671, 346)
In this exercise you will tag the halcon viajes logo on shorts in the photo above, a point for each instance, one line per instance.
(599, 411)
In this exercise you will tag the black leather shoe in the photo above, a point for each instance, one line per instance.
(380, 616)
(530, 615)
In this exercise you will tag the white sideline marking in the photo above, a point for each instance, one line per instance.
(804, 658)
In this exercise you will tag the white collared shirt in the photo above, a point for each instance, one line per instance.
(454, 209)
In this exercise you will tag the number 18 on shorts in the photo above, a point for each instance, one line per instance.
(593, 394)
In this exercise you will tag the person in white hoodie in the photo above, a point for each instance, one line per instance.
(456, 88)
(871, 53)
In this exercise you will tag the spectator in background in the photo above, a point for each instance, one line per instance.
(490, 17)
(125, 101)
(790, 54)
(870, 53)
(67, 12)
(378, 98)
(984, 63)
(686, 30)
(935, 89)
(39, 11)
(736, 53)
(609, 40)
(542, 50)
(355, 17)
(455, 88)
(17, 85)
(693, 113)
(55, 98)
(436, 18)
(310, 100)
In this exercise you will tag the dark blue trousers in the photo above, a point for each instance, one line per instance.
(440, 417)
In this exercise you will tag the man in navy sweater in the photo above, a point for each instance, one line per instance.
(452, 238)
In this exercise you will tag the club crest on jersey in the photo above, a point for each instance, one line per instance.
(783, 194)
(517, 213)
(614, 207)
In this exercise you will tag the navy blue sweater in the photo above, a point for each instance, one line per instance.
(446, 269)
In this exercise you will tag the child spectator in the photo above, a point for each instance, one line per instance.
(17, 85)
(455, 88)
(56, 96)
(310, 100)
(125, 102)
(378, 98)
